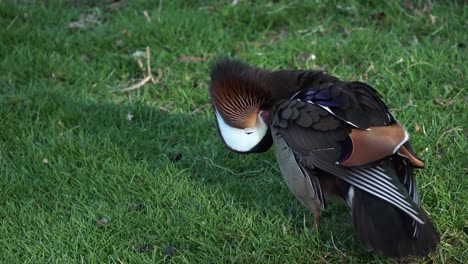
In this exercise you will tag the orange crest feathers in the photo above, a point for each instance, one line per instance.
(237, 93)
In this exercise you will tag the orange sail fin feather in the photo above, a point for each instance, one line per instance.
(413, 159)
(374, 144)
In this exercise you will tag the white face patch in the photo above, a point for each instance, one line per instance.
(241, 140)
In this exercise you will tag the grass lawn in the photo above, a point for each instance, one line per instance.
(92, 174)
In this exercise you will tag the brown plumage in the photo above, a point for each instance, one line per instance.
(236, 93)
(373, 144)
(334, 139)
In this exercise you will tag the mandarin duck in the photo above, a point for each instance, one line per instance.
(334, 140)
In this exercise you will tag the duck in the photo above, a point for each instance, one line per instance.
(334, 140)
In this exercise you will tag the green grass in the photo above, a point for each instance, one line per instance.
(114, 191)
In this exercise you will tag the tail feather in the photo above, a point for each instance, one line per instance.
(385, 229)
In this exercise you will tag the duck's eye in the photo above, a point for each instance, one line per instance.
(248, 131)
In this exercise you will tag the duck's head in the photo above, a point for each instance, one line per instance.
(241, 105)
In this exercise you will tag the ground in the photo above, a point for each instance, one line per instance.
(91, 172)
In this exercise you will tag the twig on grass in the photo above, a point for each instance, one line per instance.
(336, 248)
(137, 85)
(228, 170)
(200, 108)
(12, 22)
(69, 130)
(149, 76)
(365, 76)
(454, 129)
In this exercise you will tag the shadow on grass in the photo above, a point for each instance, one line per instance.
(186, 145)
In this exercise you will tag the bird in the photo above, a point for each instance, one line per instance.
(334, 140)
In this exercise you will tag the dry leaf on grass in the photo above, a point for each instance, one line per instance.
(443, 102)
(127, 33)
(346, 31)
(119, 43)
(317, 67)
(343, 60)
(425, 10)
(147, 16)
(428, 7)
(139, 54)
(409, 5)
(305, 57)
(432, 19)
(417, 127)
(85, 58)
(274, 35)
(85, 21)
(185, 58)
(116, 5)
(102, 222)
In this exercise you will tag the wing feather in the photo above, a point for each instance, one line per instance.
(300, 179)
(316, 135)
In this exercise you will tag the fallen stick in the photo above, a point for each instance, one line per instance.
(149, 76)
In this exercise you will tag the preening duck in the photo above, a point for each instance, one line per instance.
(334, 140)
